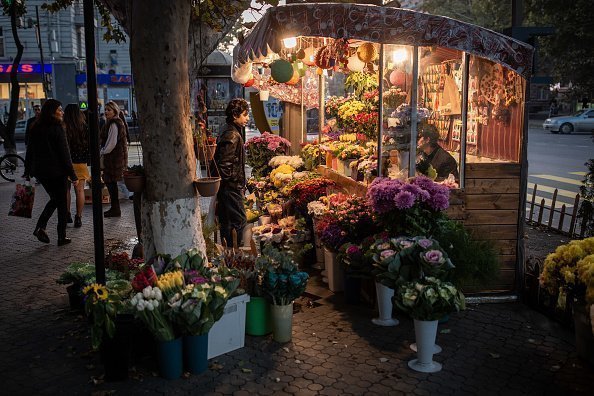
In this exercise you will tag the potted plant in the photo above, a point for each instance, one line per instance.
(282, 283)
(356, 268)
(134, 178)
(426, 301)
(568, 273)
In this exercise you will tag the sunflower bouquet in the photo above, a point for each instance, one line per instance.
(101, 306)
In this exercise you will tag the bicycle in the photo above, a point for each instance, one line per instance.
(11, 167)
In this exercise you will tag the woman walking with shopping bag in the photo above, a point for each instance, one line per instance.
(48, 160)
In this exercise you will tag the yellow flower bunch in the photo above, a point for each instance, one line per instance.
(570, 265)
(170, 281)
(99, 292)
(281, 174)
(348, 137)
(585, 273)
(350, 109)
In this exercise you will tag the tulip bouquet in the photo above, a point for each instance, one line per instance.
(151, 310)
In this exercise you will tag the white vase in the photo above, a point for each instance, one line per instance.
(436, 350)
(265, 220)
(282, 322)
(247, 235)
(384, 304)
(334, 271)
(319, 251)
(425, 333)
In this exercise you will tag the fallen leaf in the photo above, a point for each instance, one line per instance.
(186, 375)
(555, 368)
(246, 370)
(531, 340)
(216, 366)
(445, 331)
(277, 379)
(90, 366)
(286, 349)
(313, 333)
(297, 361)
(495, 355)
(383, 360)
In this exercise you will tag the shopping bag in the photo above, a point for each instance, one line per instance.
(22, 201)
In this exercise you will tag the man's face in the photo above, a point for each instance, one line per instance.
(37, 110)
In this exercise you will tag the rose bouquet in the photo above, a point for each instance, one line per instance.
(428, 299)
(261, 149)
(282, 282)
(408, 208)
(569, 271)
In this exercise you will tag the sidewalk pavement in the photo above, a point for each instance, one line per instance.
(487, 349)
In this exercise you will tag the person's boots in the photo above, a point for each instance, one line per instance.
(41, 235)
(62, 240)
(114, 211)
(77, 221)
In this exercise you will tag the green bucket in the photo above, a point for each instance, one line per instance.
(257, 317)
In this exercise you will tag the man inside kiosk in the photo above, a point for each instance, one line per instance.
(432, 154)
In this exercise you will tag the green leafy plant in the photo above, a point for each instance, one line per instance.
(361, 82)
(475, 261)
(428, 299)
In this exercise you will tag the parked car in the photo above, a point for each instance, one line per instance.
(582, 121)
(19, 131)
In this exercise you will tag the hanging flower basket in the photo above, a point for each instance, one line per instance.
(208, 186)
(134, 183)
(206, 153)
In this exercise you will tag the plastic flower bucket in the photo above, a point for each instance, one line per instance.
(195, 350)
(257, 320)
(170, 358)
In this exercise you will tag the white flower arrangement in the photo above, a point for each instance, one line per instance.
(294, 161)
(316, 208)
(149, 299)
(301, 175)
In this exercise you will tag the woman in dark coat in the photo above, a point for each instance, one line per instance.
(48, 159)
(229, 160)
(114, 149)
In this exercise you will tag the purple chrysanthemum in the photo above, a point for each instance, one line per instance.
(404, 200)
(439, 202)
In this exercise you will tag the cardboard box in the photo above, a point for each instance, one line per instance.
(104, 196)
(228, 334)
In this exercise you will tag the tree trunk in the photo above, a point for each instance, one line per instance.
(15, 89)
(159, 54)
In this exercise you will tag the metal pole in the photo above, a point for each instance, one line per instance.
(412, 158)
(303, 134)
(38, 34)
(94, 140)
(464, 131)
(380, 113)
(322, 104)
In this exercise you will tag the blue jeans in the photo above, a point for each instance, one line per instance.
(231, 214)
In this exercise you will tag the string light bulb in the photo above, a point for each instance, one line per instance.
(290, 42)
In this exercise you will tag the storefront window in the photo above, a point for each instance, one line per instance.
(495, 112)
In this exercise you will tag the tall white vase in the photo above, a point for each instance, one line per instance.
(334, 272)
(425, 333)
(384, 304)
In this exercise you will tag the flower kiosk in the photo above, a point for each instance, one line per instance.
(402, 93)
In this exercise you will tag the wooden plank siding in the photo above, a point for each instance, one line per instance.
(488, 207)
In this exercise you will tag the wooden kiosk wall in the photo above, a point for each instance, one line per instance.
(488, 206)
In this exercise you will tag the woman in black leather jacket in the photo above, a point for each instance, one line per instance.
(229, 160)
(48, 159)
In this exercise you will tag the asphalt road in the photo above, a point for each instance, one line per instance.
(556, 162)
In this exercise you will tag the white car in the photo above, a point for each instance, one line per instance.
(582, 121)
(19, 131)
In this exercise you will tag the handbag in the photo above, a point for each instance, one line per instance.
(22, 200)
